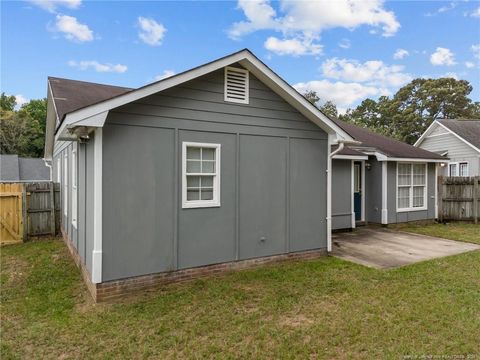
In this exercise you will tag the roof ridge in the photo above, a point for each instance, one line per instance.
(89, 82)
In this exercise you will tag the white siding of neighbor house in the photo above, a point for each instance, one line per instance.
(457, 150)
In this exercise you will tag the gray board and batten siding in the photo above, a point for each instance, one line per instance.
(81, 236)
(341, 194)
(273, 180)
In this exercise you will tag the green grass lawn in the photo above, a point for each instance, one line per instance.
(326, 308)
(456, 231)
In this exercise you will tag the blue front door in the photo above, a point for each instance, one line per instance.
(357, 191)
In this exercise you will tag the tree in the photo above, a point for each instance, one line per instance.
(414, 107)
(22, 132)
(328, 108)
(7, 102)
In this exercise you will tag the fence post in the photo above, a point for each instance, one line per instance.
(476, 194)
(52, 207)
(440, 198)
(24, 212)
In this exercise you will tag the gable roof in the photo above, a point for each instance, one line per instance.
(14, 168)
(94, 114)
(467, 131)
(70, 95)
(390, 147)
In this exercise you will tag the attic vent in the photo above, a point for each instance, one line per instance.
(236, 85)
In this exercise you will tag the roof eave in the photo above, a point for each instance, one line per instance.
(245, 58)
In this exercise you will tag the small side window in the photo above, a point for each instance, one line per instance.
(201, 175)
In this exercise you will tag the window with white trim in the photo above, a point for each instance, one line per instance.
(74, 185)
(458, 168)
(411, 186)
(65, 183)
(59, 170)
(201, 175)
(236, 85)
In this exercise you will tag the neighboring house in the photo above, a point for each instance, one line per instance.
(220, 164)
(18, 169)
(459, 140)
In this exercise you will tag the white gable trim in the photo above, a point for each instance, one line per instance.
(430, 129)
(245, 58)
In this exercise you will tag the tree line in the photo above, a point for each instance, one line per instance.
(411, 110)
(22, 131)
(404, 116)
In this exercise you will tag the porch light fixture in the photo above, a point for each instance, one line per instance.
(368, 166)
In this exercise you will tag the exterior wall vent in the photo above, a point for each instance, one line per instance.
(236, 85)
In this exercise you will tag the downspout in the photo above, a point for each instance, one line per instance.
(341, 145)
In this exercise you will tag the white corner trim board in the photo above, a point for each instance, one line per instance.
(329, 193)
(97, 219)
(384, 193)
(352, 189)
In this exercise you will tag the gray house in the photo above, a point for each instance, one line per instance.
(459, 140)
(219, 167)
(390, 181)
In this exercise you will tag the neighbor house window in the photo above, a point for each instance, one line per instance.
(65, 184)
(458, 168)
(411, 186)
(74, 185)
(201, 175)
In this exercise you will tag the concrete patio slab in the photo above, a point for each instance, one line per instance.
(384, 249)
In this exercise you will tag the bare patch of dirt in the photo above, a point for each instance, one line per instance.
(297, 320)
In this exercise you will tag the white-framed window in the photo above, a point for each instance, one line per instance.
(411, 186)
(459, 168)
(200, 175)
(65, 183)
(59, 170)
(74, 185)
(236, 85)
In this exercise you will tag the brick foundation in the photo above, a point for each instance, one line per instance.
(112, 290)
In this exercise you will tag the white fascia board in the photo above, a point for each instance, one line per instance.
(50, 125)
(97, 120)
(350, 157)
(292, 96)
(426, 133)
(459, 137)
(246, 59)
(417, 160)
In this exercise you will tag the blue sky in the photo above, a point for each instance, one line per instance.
(345, 52)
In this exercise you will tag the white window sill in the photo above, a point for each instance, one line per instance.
(200, 204)
(412, 209)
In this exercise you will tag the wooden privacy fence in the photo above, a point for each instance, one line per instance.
(28, 209)
(459, 198)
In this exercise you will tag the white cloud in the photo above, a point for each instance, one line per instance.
(469, 64)
(450, 6)
(72, 29)
(307, 19)
(442, 56)
(52, 5)
(400, 54)
(373, 72)
(98, 67)
(476, 50)
(343, 94)
(166, 74)
(20, 100)
(344, 44)
(293, 47)
(151, 33)
(450, 75)
(475, 13)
